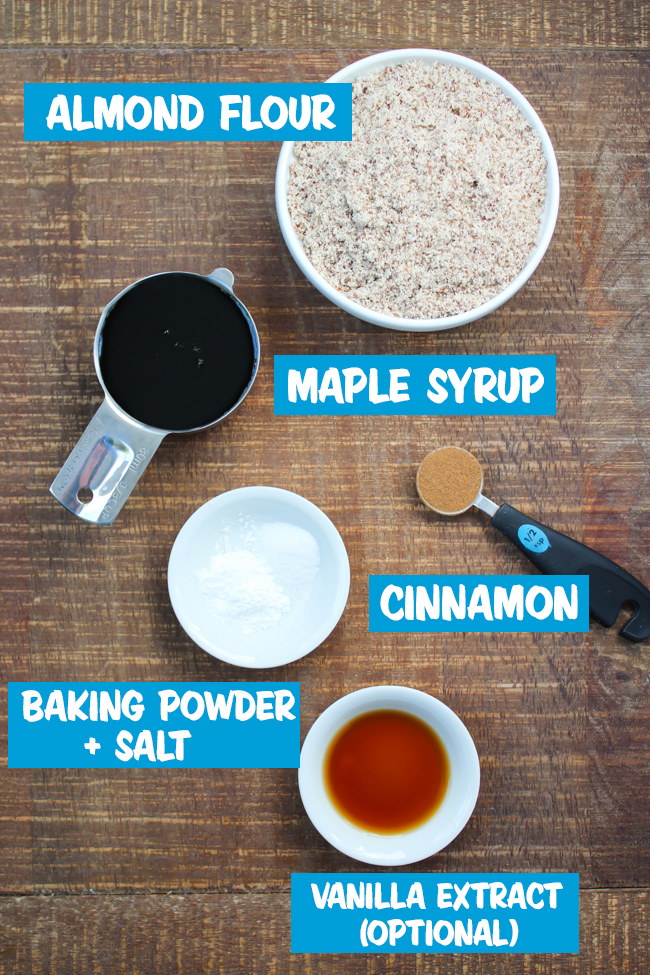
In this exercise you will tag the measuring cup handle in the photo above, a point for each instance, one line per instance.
(104, 466)
(610, 586)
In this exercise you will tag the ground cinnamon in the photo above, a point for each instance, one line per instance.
(449, 480)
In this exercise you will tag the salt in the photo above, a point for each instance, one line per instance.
(259, 573)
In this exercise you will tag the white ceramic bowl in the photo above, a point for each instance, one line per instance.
(396, 848)
(295, 634)
(547, 225)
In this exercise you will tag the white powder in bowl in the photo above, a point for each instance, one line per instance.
(435, 205)
(260, 573)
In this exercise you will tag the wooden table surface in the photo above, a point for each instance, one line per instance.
(187, 871)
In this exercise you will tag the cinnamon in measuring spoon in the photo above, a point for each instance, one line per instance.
(449, 480)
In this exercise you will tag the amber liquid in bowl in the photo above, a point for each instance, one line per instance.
(386, 771)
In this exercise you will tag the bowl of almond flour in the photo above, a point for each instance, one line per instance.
(439, 209)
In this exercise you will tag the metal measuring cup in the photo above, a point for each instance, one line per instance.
(115, 448)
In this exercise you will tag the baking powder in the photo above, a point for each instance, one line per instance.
(260, 573)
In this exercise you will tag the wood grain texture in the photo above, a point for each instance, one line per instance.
(317, 24)
(221, 934)
(560, 723)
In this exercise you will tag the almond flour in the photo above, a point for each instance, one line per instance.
(435, 205)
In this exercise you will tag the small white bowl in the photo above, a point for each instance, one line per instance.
(547, 226)
(297, 633)
(396, 848)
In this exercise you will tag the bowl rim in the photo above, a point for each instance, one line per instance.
(549, 217)
(333, 610)
(396, 849)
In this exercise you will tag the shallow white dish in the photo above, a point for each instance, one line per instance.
(296, 634)
(547, 226)
(396, 848)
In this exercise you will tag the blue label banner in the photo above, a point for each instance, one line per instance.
(147, 725)
(472, 913)
(414, 385)
(478, 604)
(187, 112)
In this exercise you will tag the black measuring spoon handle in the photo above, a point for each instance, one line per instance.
(610, 586)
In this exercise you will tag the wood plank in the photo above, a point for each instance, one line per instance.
(318, 24)
(249, 934)
(561, 725)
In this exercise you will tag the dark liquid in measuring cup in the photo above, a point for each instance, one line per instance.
(176, 352)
